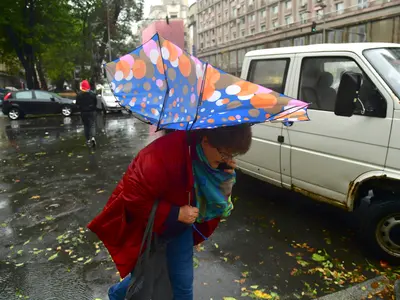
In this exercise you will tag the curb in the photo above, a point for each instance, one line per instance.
(397, 290)
(361, 290)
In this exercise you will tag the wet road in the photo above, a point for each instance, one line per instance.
(51, 186)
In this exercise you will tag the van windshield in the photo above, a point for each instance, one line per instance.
(386, 62)
(107, 93)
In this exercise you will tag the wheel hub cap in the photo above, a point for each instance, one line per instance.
(389, 234)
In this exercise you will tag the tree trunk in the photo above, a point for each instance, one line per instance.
(40, 71)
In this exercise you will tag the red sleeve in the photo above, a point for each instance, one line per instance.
(145, 182)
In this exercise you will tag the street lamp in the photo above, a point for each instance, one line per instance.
(317, 9)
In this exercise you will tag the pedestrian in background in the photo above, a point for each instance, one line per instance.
(86, 102)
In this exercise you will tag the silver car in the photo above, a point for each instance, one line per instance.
(107, 102)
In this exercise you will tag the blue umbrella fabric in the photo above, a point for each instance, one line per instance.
(163, 85)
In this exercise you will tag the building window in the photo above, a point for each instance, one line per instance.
(339, 7)
(357, 34)
(242, 21)
(288, 5)
(275, 24)
(263, 14)
(242, 33)
(274, 9)
(234, 12)
(289, 20)
(253, 18)
(234, 35)
(362, 4)
(299, 41)
(253, 31)
(263, 28)
(303, 18)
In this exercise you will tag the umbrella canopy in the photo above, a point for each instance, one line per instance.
(163, 85)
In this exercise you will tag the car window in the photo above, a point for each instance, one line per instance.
(320, 79)
(107, 93)
(43, 95)
(270, 73)
(24, 95)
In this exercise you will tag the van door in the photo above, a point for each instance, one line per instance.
(329, 152)
(263, 160)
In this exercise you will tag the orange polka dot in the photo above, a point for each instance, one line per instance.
(184, 65)
(198, 117)
(174, 103)
(154, 79)
(181, 124)
(139, 69)
(263, 101)
(247, 88)
(210, 121)
(124, 67)
(143, 104)
(225, 101)
(246, 119)
(124, 96)
(267, 116)
(188, 118)
(231, 118)
(149, 94)
(160, 67)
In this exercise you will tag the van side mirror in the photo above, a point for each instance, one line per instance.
(349, 86)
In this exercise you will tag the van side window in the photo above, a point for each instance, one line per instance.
(319, 83)
(269, 73)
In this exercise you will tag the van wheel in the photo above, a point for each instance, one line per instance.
(66, 111)
(15, 114)
(381, 230)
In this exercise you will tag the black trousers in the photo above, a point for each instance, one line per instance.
(89, 123)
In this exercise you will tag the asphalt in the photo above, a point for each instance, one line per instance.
(276, 244)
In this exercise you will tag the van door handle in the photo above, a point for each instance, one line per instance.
(288, 123)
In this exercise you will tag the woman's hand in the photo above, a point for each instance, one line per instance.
(188, 214)
(231, 163)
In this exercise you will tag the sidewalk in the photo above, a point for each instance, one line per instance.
(362, 290)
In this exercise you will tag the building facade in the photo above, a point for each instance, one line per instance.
(192, 35)
(227, 29)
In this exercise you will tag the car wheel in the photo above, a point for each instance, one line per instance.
(14, 114)
(66, 111)
(381, 230)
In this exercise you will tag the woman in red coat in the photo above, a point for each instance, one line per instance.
(189, 173)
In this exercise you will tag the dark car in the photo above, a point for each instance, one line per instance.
(18, 104)
(3, 93)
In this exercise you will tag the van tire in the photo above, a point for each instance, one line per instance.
(380, 216)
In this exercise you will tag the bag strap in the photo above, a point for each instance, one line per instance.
(149, 230)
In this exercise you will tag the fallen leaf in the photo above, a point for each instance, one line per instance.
(101, 191)
(228, 298)
(80, 259)
(53, 256)
(35, 197)
(318, 258)
(49, 218)
(88, 261)
(20, 252)
(375, 285)
(384, 264)
(4, 225)
(254, 287)
(216, 245)
(27, 242)
(19, 265)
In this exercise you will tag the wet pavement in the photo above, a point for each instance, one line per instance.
(275, 243)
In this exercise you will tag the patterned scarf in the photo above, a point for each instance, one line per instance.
(213, 188)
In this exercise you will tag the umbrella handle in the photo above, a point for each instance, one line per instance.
(288, 124)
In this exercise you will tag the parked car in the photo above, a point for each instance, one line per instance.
(107, 102)
(18, 104)
(348, 155)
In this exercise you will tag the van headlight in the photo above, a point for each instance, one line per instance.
(74, 101)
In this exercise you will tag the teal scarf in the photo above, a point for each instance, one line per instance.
(213, 188)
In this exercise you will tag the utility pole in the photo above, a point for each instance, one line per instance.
(108, 32)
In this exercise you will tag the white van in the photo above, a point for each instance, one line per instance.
(350, 150)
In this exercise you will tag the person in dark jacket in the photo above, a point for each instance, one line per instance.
(86, 102)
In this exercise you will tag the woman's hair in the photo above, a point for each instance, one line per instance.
(236, 139)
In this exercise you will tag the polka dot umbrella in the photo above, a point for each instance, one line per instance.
(163, 85)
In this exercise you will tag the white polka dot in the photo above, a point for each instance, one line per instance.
(212, 111)
(113, 86)
(160, 97)
(233, 89)
(199, 71)
(215, 96)
(165, 53)
(156, 112)
(130, 75)
(202, 110)
(154, 54)
(148, 102)
(119, 75)
(185, 111)
(175, 63)
(118, 89)
(223, 113)
(220, 102)
(246, 97)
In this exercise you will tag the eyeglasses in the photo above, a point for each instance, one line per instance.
(226, 156)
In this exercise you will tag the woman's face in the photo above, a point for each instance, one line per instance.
(216, 156)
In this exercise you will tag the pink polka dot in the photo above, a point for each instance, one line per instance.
(159, 83)
(238, 117)
(193, 98)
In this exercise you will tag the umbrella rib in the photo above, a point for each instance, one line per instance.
(200, 96)
(166, 82)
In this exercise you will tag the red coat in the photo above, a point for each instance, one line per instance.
(162, 170)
